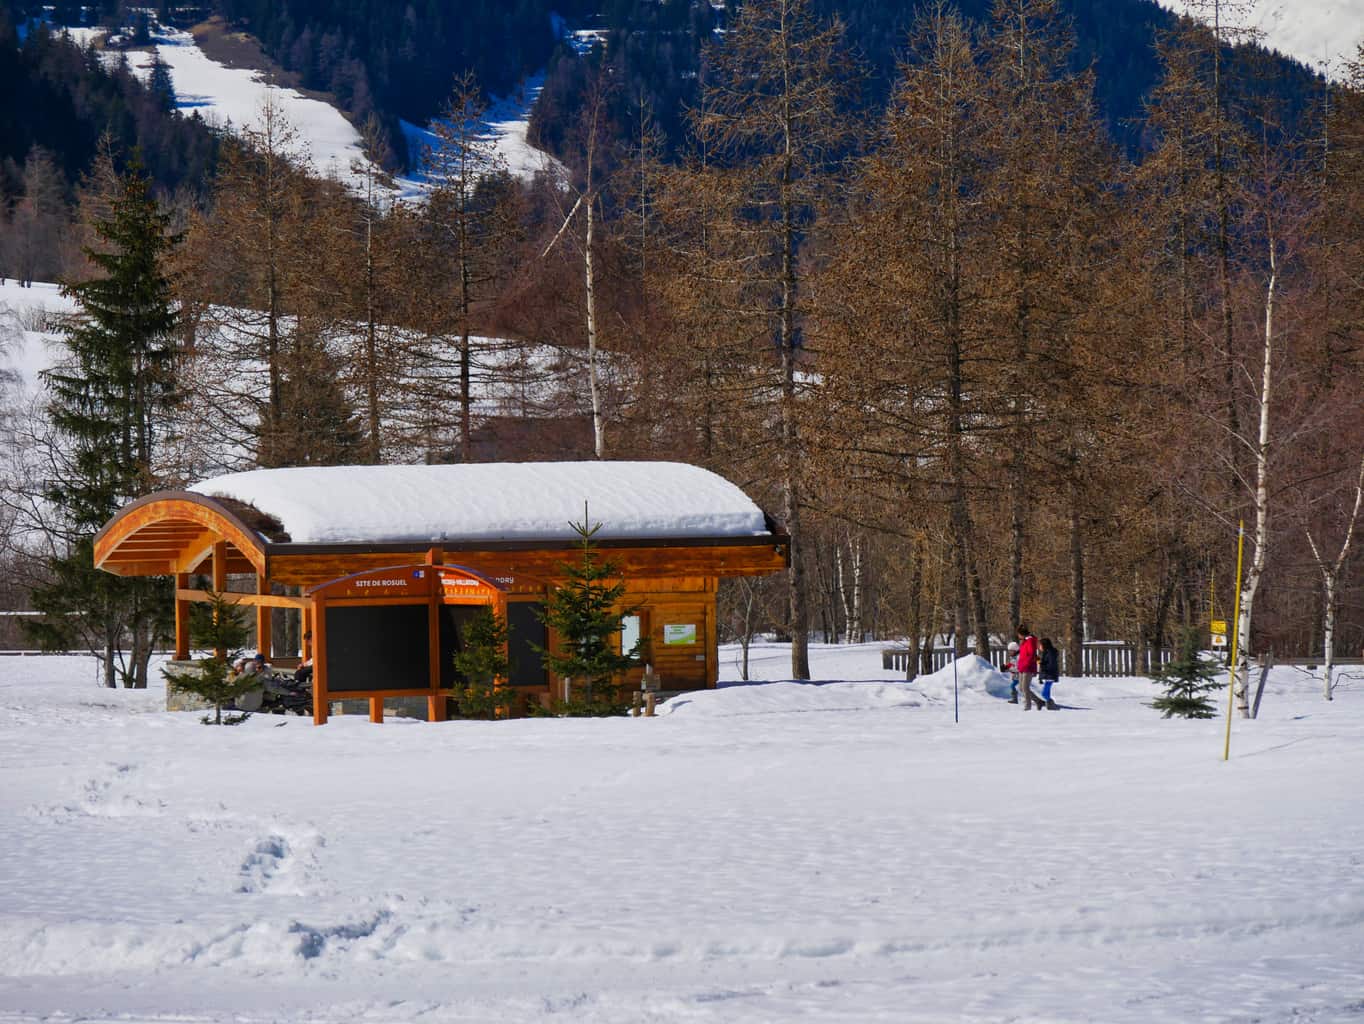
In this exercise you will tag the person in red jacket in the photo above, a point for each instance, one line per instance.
(1027, 667)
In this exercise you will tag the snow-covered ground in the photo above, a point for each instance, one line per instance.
(509, 378)
(1315, 32)
(28, 340)
(777, 852)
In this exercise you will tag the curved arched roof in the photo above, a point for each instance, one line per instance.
(174, 531)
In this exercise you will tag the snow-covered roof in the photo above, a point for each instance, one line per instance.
(493, 501)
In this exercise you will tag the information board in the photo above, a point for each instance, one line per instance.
(679, 634)
(378, 647)
(454, 625)
(524, 630)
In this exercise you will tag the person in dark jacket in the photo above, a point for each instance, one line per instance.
(1049, 671)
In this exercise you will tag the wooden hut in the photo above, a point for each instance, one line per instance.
(383, 563)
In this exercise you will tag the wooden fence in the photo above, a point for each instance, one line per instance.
(1101, 658)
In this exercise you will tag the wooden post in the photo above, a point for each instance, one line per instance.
(711, 638)
(319, 620)
(649, 699)
(376, 710)
(499, 609)
(433, 666)
(306, 641)
(220, 566)
(435, 708)
(181, 619)
(220, 578)
(263, 623)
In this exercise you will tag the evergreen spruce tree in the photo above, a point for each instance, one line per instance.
(584, 611)
(1187, 680)
(481, 665)
(160, 83)
(107, 400)
(216, 626)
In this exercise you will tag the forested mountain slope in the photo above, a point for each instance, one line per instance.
(398, 60)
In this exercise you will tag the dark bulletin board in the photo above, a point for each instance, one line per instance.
(525, 628)
(454, 621)
(377, 647)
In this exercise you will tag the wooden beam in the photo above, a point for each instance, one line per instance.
(194, 549)
(163, 567)
(319, 663)
(220, 580)
(433, 613)
(263, 614)
(181, 618)
(255, 600)
(662, 562)
(220, 566)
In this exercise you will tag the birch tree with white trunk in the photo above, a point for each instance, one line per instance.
(1331, 580)
(1260, 449)
(587, 201)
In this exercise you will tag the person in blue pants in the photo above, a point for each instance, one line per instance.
(1050, 671)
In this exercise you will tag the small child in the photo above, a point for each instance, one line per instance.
(1011, 667)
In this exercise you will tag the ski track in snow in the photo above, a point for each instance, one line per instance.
(743, 857)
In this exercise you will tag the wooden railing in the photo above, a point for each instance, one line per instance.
(1101, 658)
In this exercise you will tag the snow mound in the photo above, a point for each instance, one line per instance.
(973, 675)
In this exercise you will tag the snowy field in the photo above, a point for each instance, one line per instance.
(760, 853)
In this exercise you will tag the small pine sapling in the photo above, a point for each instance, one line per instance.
(584, 611)
(1187, 680)
(216, 626)
(483, 668)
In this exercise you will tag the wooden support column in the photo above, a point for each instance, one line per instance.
(499, 609)
(435, 703)
(319, 623)
(220, 577)
(435, 708)
(263, 617)
(376, 710)
(181, 619)
(306, 641)
(220, 566)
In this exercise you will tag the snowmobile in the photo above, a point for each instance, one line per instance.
(278, 695)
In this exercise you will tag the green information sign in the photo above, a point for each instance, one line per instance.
(680, 634)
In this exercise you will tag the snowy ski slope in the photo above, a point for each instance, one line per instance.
(234, 97)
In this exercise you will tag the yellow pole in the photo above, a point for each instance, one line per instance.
(1235, 634)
